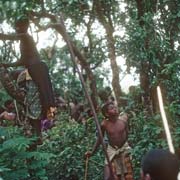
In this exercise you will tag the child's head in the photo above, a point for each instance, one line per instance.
(109, 109)
(160, 164)
(9, 104)
(22, 25)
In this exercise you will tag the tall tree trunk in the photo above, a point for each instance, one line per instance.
(108, 26)
(144, 70)
(115, 69)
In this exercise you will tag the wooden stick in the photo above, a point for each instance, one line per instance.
(165, 122)
(86, 168)
(17, 112)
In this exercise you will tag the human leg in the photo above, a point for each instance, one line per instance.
(108, 175)
(36, 131)
(106, 172)
(40, 76)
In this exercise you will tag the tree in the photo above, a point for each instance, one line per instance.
(103, 11)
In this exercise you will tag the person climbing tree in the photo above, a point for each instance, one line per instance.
(37, 69)
(116, 128)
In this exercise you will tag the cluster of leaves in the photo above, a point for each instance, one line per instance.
(3, 96)
(17, 162)
(15, 9)
(146, 133)
(69, 141)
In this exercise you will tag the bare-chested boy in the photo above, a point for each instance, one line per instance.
(116, 129)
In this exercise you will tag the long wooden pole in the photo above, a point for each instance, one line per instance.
(86, 93)
(86, 168)
(165, 121)
(17, 112)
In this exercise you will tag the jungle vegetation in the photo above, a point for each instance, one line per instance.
(149, 43)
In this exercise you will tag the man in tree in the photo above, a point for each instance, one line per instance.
(37, 69)
(116, 129)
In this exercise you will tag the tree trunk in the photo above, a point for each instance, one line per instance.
(107, 24)
(144, 70)
(114, 67)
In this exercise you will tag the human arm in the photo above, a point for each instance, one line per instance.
(97, 143)
(124, 117)
(14, 64)
(12, 37)
(7, 116)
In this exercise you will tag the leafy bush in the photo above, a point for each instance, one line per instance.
(146, 133)
(69, 141)
(16, 161)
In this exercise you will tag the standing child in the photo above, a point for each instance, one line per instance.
(116, 129)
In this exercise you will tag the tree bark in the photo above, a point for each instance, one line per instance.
(108, 26)
(144, 70)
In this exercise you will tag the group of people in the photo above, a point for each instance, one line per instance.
(8, 116)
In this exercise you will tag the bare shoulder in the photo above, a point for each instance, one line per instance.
(124, 117)
(103, 123)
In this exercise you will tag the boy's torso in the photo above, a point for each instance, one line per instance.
(116, 132)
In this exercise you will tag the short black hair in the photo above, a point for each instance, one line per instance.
(22, 22)
(8, 102)
(161, 164)
(105, 107)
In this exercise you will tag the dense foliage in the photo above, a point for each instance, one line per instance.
(17, 161)
(144, 33)
(69, 141)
